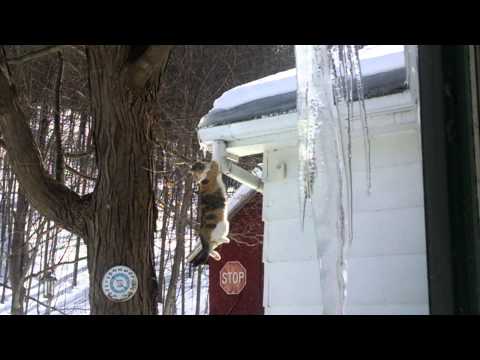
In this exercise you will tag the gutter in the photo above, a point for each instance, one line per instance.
(230, 169)
(244, 129)
(217, 137)
(283, 123)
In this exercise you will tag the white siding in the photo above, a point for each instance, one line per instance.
(294, 276)
(387, 268)
(389, 232)
(387, 280)
(402, 309)
(294, 310)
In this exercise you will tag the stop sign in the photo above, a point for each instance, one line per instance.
(233, 277)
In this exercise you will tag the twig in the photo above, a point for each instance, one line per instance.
(69, 168)
(74, 155)
(37, 301)
(54, 266)
(235, 239)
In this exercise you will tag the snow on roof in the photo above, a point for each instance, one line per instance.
(276, 84)
(374, 59)
(377, 59)
(238, 199)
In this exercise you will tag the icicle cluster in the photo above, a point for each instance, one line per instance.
(347, 75)
(307, 125)
(327, 81)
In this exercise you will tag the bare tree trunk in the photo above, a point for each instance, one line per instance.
(8, 231)
(3, 207)
(81, 144)
(199, 290)
(180, 247)
(75, 265)
(169, 305)
(190, 267)
(18, 271)
(163, 238)
(183, 284)
(32, 262)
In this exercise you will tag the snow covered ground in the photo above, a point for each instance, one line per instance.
(70, 300)
(73, 300)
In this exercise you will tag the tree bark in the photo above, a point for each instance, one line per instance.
(124, 207)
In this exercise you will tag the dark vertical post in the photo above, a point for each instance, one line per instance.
(437, 217)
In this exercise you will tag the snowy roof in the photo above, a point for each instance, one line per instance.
(383, 70)
(239, 199)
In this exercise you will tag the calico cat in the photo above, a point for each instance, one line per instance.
(214, 225)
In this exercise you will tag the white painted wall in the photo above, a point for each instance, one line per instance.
(387, 267)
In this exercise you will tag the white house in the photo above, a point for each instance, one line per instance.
(388, 261)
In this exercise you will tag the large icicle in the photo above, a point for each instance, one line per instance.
(322, 170)
(327, 79)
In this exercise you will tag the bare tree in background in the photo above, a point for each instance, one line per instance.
(196, 76)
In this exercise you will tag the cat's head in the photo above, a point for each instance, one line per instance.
(199, 171)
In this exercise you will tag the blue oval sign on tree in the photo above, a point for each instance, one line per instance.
(120, 283)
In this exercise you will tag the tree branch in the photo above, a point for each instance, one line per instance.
(36, 300)
(75, 155)
(55, 266)
(141, 69)
(59, 161)
(71, 169)
(36, 54)
(52, 199)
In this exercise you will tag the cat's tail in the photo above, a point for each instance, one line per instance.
(203, 255)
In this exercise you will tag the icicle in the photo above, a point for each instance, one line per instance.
(347, 73)
(363, 119)
(321, 156)
(307, 126)
(325, 149)
(349, 179)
